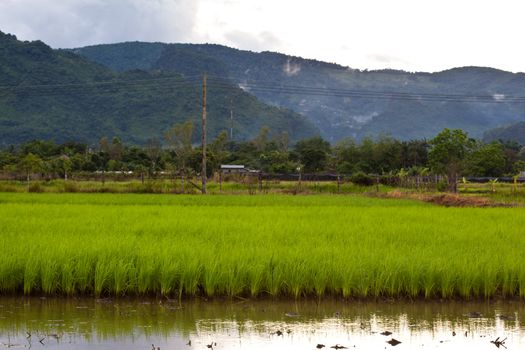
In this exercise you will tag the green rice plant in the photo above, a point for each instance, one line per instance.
(275, 278)
(84, 272)
(234, 280)
(295, 281)
(31, 274)
(447, 283)
(124, 277)
(189, 279)
(212, 278)
(429, 280)
(67, 281)
(147, 275)
(490, 282)
(320, 279)
(521, 284)
(169, 273)
(414, 281)
(346, 281)
(49, 275)
(256, 277)
(364, 278)
(509, 278)
(11, 275)
(102, 280)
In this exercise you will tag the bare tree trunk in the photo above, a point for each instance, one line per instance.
(453, 183)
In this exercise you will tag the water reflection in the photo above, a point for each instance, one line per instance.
(134, 324)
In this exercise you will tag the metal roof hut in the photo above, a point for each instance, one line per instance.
(238, 169)
(233, 169)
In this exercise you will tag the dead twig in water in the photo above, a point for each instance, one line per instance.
(499, 343)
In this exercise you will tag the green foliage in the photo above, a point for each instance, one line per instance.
(313, 154)
(448, 154)
(449, 149)
(179, 139)
(360, 178)
(382, 156)
(486, 160)
(30, 164)
(518, 167)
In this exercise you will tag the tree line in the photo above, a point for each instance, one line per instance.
(451, 153)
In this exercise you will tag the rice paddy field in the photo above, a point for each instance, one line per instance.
(245, 246)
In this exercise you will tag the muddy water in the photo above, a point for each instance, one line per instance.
(135, 324)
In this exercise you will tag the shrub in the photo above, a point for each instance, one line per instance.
(70, 187)
(360, 178)
(442, 185)
(35, 187)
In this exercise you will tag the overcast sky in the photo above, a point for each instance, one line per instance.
(414, 35)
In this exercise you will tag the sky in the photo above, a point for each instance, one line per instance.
(413, 35)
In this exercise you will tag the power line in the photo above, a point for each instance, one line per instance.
(223, 83)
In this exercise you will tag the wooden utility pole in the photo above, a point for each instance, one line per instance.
(204, 134)
(231, 120)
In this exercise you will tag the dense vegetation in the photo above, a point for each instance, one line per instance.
(58, 95)
(336, 116)
(257, 246)
(451, 153)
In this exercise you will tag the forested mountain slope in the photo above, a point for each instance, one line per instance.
(58, 95)
(341, 101)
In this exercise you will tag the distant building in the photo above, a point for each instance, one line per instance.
(233, 169)
(237, 169)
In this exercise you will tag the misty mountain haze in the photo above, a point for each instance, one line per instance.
(341, 102)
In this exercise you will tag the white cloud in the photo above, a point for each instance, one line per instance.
(254, 41)
(73, 23)
(413, 35)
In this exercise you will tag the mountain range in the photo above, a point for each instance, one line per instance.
(138, 90)
(59, 95)
(340, 101)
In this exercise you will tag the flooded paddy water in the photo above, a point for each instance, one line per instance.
(40, 323)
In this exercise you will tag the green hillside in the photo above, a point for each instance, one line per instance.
(58, 95)
(336, 115)
(513, 132)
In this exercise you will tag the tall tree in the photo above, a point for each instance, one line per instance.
(30, 164)
(313, 153)
(447, 155)
(218, 149)
(179, 140)
(487, 160)
(261, 140)
(153, 151)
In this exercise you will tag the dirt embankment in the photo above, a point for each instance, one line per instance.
(446, 199)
